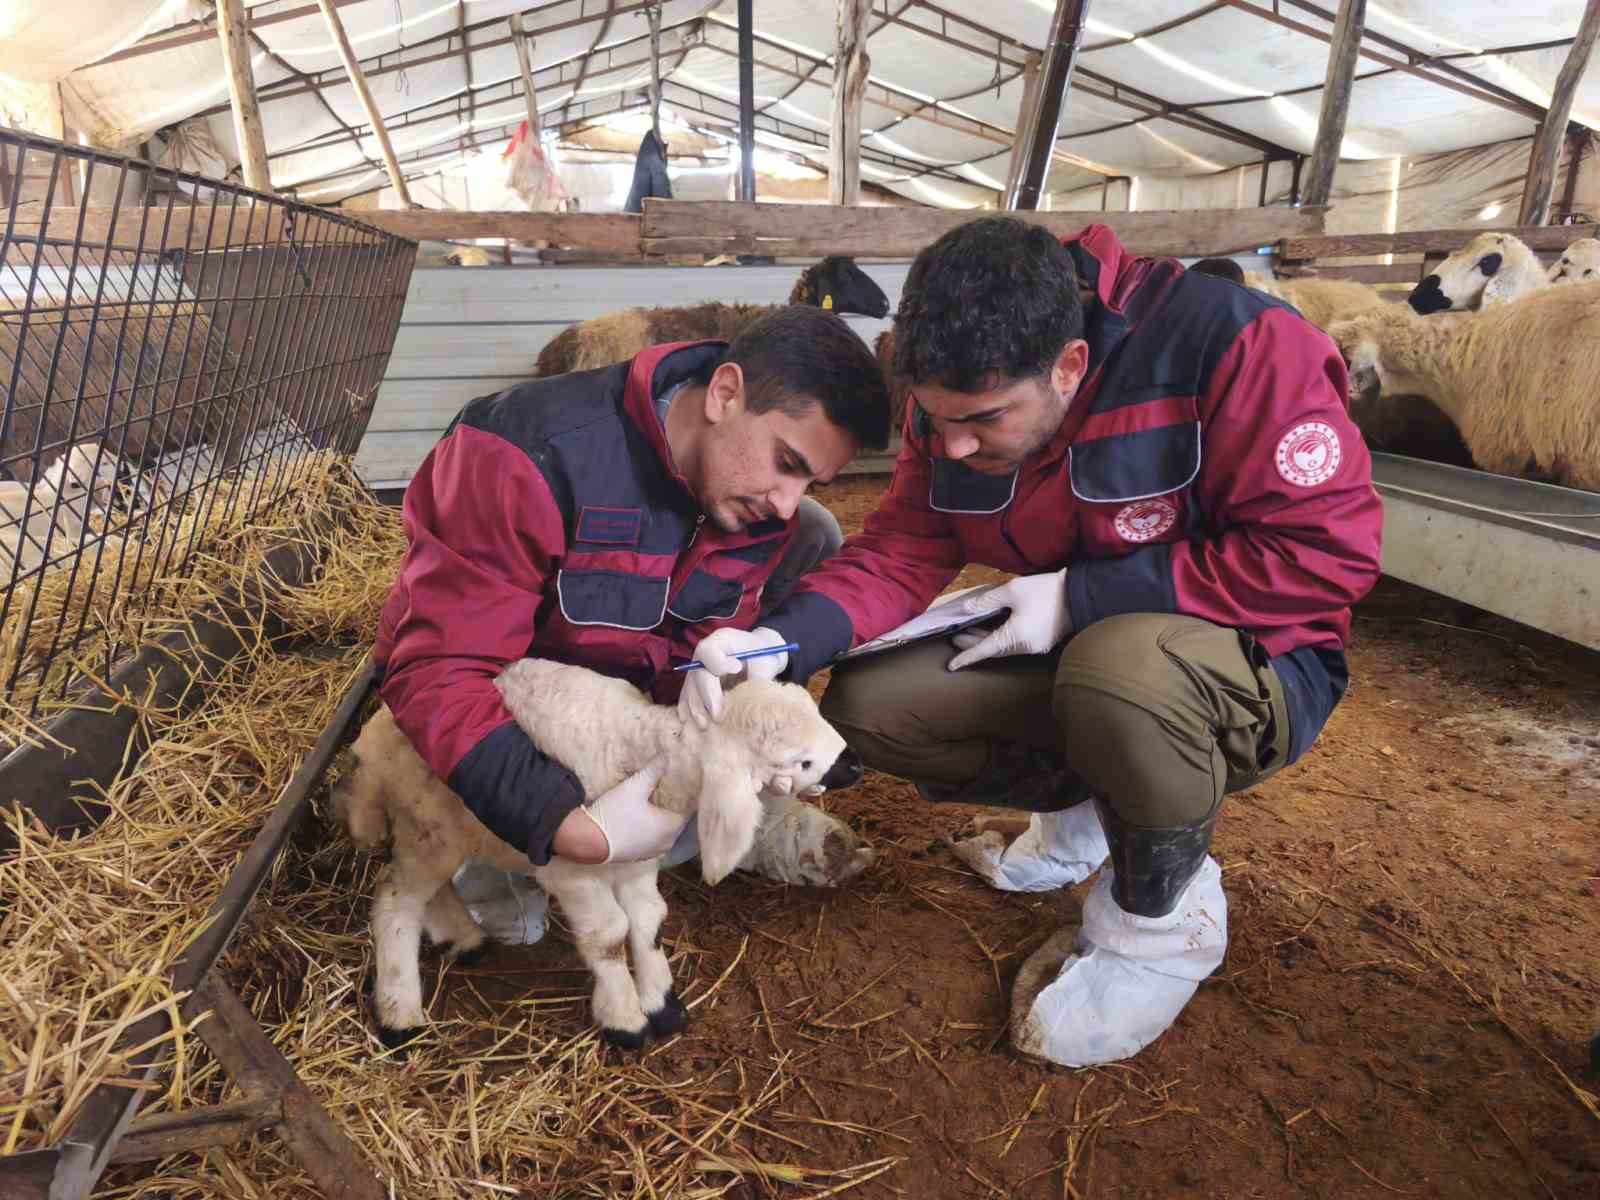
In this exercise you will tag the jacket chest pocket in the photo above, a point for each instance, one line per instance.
(720, 586)
(707, 597)
(611, 599)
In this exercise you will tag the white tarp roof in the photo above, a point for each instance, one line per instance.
(1164, 87)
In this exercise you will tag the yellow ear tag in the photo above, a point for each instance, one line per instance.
(827, 302)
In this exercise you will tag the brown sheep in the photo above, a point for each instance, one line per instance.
(835, 283)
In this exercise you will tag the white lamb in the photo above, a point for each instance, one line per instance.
(771, 738)
(1579, 262)
(1491, 269)
(1517, 379)
(33, 531)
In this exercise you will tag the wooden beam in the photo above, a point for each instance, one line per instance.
(233, 32)
(611, 233)
(1036, 141)
(1343, 54)
(1030, 97)
(358, 81)
(814, 230)
(530, 95)
(1424, 241)
(747, 101)
(850, 67)
(1535, 208)
(1578, 141)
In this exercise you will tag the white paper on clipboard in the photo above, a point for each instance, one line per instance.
(941, 619)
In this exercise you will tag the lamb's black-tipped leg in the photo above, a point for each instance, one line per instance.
(472, 957)
(670, 1019)
(398, 1041)
(625, 1039)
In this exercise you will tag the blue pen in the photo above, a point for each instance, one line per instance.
(744, 654)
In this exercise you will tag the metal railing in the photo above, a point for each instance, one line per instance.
(174, 352)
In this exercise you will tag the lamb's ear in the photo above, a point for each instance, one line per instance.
(730, 811)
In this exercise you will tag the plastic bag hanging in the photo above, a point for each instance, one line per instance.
(531, 176)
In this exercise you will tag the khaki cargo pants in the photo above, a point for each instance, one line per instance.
(1159, 715)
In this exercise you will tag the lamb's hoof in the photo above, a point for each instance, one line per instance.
(625, 1039)
(398, 1041)
(670, 1019)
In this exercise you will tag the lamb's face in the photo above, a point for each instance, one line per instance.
(795, 750)
(1460, 280)
(1359, 345)
(1579, 263)
(74, 476)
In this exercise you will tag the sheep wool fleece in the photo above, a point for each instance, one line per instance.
(550, 522)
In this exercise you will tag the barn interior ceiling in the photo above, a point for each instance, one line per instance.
(1164, 88)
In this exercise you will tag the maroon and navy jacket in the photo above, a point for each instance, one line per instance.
(550, 522)
(1207, 466)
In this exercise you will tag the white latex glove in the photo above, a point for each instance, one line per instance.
(635, 829)
(701, 698)
(1039, 619)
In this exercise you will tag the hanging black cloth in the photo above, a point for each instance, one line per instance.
(649, 173)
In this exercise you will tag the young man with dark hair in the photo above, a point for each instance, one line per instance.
(1169, 473)
(612, 519)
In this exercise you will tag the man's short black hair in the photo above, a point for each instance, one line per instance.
(1222, 268)
(799, 356)
(991, 301)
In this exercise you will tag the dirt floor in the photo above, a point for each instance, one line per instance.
(1410, 986)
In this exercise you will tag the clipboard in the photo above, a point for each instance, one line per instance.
(940, 620)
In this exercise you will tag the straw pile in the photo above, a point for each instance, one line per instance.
(122, 605)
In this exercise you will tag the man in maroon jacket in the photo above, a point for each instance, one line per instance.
(612, 519)
(1166, 465)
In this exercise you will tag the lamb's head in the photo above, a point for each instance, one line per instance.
(1490, 269)
(1579, 262)
(837, 284)
(84, 470)
(771, 738)
(1358, 340)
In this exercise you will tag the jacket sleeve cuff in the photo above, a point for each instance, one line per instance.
(521, 795)
(1107, 587)
(817, 625)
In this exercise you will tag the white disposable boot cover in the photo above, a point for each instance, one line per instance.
(1057, 849)
(1123, 980)
(511, 908)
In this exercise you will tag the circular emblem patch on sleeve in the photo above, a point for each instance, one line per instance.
(1309, 454)
(1144, 520)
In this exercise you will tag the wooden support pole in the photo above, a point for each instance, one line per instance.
(747, 102)
(1343, 53)
(233, 30)
(1578, 141)
(530, 95)
(850, 67)
(1037, 139)
(374, 117)
(1547, 144)
(653, 15)
(1030, 97)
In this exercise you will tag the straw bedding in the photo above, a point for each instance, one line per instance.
(511, 1093)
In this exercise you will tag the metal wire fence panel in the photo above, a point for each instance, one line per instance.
(176, 352)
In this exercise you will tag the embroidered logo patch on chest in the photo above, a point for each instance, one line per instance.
(1144, 520)
(1309, 454)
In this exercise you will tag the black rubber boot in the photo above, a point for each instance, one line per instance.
(1152, 867)
(1016, 776)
